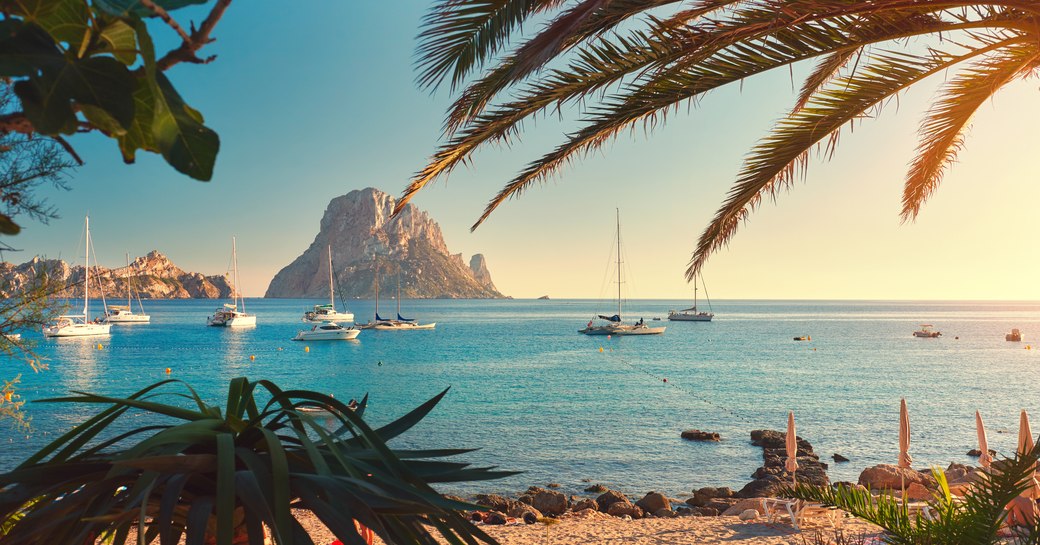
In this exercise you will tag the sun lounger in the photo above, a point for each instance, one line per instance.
(800, 513)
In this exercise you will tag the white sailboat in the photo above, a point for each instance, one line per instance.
(401, 323)
(328, 313)
(119, 314)
(613, 325)
(79, 325)
(229, 315)
(692, 314)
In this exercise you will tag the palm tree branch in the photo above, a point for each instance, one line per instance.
(825, 70)
(776, 160)
(942, 131)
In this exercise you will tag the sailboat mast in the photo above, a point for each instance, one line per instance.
(234, 262)
(86, 270)
(376, 262)
(332, 298)
(695, 294)
(618, 210)
(398, 294)
(128, 280)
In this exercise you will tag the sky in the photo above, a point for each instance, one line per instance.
(313, 102)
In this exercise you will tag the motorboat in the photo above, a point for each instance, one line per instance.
(327, 332)
(692, 314)
(120, 314)
(927, 332)
(803, 338)
(80, 325)
(228, 315)
(613, 324)
(1015, 336)
(328, 313)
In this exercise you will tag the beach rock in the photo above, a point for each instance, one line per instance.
(553, 485)
(839, 458)
(520, 511)
(698, 435)
(765, 486)
(597, 488)
(624, 509)
(610, 497)
(749, 515)
(778, 440)
(360, 225)
(494, 517)
(496, 502)
(549, 502)
(918, 492)
(665, 513)
(960, 473)
(701, 496)
(683, 511)
(587, 503)
(891, 477)
(744, 505)
(723, 492)
(530, 518)
(721, 504)
(704, 512)
(653, 502)
(975, 453)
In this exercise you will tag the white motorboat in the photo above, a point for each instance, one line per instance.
(119, 314)
(229, 314)
(389, 324)
(692, 314)
(80, 325)
(328, 332)
(927, 332)
(328, 313)
(614, 325)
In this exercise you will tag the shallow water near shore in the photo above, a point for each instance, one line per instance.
(537, 397)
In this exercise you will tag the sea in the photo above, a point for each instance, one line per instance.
(535, 396)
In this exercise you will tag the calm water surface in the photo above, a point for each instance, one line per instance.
(538, 397)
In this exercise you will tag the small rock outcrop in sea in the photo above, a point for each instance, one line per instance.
(543, 298)
(839, 458)
(893, 477)
(365, 241)
(153, 276)
(975, 453)
(698, 435)
(773, 475)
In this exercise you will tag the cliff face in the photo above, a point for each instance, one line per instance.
(365, 241)
(154, 276)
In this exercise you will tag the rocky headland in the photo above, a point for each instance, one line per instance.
(153, 276)
(370, 247)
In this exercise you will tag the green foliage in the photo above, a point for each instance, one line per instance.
(627, 64)
(78, 65)
(974, 519)
(195, 470)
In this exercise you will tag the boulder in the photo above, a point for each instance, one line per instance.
(698, 435)
(665, 513)
(839, 458)
(744, 505)
(553, 485)
(549, 502)
(778, 439)
(704, 512)
(766, 486)
(701, 496)
(975, 453)
(915, 491)
(521, 510)
(959, 473)
(610, 497)
(587, 503)
(622, 509)
(495, 502)
(723, 492)
(721, 504)
(748, 515)
(530, 518)
(597, 488)
(653, 502)
(891, 477)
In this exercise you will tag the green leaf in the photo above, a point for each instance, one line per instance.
(119, 39)
(65, 20)
(8, 226)
(185, 143)
(95, 81)
(124, 8)
(100, 119)
(25, 49)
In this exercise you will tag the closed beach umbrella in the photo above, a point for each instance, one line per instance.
(904, 435)
(984, 459)
(1025, 445)
(792, 448)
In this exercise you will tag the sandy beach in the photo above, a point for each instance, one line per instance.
(600, 529)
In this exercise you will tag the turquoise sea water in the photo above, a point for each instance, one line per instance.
(540, 398)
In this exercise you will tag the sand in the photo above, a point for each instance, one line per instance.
(600, 529)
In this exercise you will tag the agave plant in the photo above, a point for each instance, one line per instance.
(220, 476)
(618, 65)
(974, 519)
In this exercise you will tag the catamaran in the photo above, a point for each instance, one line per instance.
(692, 314)
(401, 323)
(119, 314)
(80, 325)
(328, 313)
(228, 315)
(613, 325)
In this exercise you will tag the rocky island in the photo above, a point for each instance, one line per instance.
(153, 276)
(368, 246)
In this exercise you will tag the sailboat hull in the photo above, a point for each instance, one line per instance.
(394, 325)
(316, 317)
(690, 317)
(124, 319)
(622, 330)
(77, 330)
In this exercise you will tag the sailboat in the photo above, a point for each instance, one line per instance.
(229, 315)
(401, 323)
(692, 314)
(119, 314)
(328, 313)
(79, 325)
(613, 325)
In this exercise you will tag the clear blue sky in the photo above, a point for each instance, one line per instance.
(316, 100)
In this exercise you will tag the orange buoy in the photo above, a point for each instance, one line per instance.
(252, 357)
(99, 347)
(601, 349)
(306, 349)
(167, 370)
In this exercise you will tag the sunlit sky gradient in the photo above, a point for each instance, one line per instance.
(312, 102)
